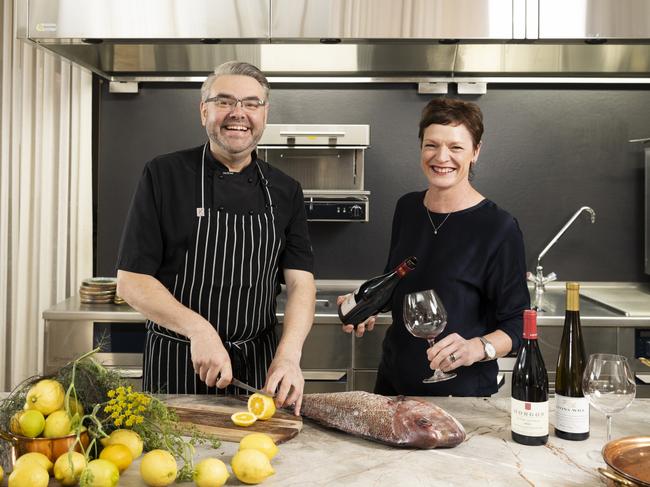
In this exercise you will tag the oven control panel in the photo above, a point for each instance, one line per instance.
(333, 210)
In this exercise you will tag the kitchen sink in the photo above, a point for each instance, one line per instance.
(554, 304)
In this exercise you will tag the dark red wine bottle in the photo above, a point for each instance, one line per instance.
(529, 402)
(373, 295)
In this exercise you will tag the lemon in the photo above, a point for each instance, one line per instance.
(31, 423)
(2, 473)
(243, 418)
(34, 457)
(251, 466)
(45, 396)
(263, 407)
(99, 473)
(57, 424)
(68, 468)
(210, 472)
(119, 455)
(29, 475)
(158, 468)
(128, 438)
(261, 442)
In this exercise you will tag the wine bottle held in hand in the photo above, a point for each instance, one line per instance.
(529, 402)
(373, 295)
(571, 406)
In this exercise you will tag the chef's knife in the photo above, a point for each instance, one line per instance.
(248, 388)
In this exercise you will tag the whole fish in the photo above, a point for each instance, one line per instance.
(400, 421)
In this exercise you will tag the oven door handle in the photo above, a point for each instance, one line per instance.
(312, 134)
(126, 373)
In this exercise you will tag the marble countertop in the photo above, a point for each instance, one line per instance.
(488, 457)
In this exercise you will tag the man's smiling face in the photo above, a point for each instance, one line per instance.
(234, 133)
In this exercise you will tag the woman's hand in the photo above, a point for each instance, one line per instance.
(362, 327)
(454, 351)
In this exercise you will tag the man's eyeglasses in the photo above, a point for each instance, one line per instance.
(226, 102)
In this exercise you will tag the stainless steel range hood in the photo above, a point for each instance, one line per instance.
(364, 40)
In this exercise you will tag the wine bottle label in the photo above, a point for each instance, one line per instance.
(349, 303)
(529, 418)
(571, 414)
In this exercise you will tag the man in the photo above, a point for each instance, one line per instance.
(210, 233)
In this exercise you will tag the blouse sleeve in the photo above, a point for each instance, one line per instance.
(506, 284)
(141, 246)
(298, 253)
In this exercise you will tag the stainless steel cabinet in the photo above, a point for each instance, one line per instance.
(594, 19)
(148, 19)
(392, 19)
(326, 359)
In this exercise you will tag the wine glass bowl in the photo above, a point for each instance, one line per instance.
(425, 317)
(609, 384)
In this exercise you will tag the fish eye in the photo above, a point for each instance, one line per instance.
(423, 422)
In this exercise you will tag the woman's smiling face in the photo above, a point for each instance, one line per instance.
(446, 155)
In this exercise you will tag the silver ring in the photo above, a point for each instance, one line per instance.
(452, 357)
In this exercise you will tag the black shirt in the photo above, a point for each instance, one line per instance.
(476, 264)
(163, 211)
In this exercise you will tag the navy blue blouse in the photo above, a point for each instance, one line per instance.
(476, 264)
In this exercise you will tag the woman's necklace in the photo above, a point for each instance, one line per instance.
(435, 228)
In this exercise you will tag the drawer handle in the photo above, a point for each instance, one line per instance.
(324, 375)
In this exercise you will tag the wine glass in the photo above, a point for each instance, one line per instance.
(425, 317)
(609, 384)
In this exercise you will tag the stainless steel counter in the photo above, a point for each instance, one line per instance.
(601, 303)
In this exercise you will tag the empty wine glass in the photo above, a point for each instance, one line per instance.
(609, 384)
(425, 317)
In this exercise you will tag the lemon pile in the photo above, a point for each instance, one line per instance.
(34, 469)
(251, 464)
(44, 414)
(71, 468)
(260, 407)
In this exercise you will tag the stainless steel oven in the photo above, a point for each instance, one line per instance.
(328, 161)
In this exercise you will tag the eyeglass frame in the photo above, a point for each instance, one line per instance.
(240, 101)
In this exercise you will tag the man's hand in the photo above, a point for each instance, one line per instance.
(285, 379)
(210, 358)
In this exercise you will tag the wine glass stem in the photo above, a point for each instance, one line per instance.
(431, 342)
(609, 428)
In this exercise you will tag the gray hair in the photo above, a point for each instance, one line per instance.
(235, 68)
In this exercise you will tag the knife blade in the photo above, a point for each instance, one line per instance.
(242, 385)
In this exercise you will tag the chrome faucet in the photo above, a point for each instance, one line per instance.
(539, 279)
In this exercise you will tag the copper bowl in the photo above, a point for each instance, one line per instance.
(629, 458)
(52, 448)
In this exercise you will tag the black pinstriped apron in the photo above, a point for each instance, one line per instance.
(229, 277)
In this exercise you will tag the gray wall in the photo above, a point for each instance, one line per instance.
(548, 149)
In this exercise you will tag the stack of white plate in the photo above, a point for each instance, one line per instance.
(98, 290)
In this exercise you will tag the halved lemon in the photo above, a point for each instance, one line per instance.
(263, 407)
(243, 418)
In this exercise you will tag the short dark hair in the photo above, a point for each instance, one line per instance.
(451, 111)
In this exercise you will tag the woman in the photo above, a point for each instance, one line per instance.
(469, 251)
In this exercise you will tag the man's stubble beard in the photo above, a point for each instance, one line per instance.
(216, 138)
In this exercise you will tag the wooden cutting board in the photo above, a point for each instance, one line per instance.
(211, 414)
